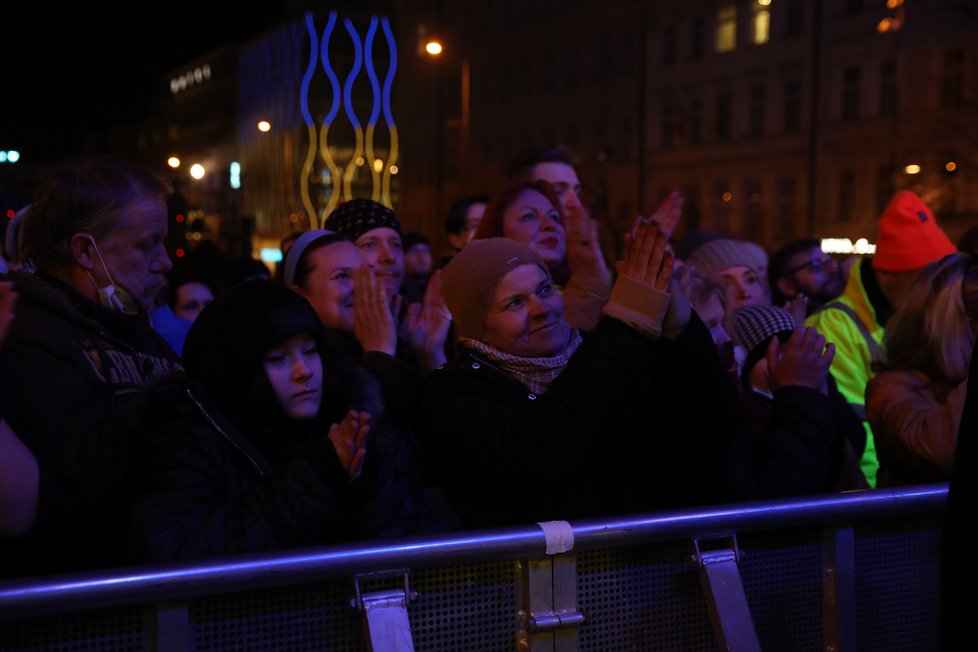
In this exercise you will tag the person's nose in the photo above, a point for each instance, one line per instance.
(163, 262)
(570, 200)
(301, 370)
(539, 309)
(548, 223)
(386, 253)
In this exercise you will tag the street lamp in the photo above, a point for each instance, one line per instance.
(435, 49)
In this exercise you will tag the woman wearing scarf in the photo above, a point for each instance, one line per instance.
(534, 422)
(267, 441)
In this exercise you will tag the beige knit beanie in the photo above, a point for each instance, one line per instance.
(470, 279)
(717, 255)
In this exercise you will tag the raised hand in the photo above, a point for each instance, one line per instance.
(349, 439)
(374, 324)
(427, 325)
(647, 258)
(583, 245)
(803, 360)
(667, 215)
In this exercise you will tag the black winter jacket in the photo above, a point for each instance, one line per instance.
(202, 488)
(630, 425)
(73, 370)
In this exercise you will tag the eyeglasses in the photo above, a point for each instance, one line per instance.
(815, 263)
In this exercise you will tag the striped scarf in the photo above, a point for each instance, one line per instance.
(535, 373)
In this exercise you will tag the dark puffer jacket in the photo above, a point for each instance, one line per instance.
(73, 371)
(222, 471)
(630, 425)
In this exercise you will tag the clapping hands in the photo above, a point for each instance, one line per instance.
(646, 257)
(374, 323)
(667, 215)
(427, 325)
(803, 360)
(349, 439)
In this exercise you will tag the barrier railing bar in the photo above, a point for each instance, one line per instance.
(156, 583)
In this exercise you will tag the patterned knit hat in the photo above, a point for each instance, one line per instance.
(469, 280)
(754, 327)
(909, 237)
(717, 255)
(357, 216)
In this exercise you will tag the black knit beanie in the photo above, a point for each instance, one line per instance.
(357, 216)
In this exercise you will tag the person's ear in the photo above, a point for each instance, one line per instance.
(82, 249)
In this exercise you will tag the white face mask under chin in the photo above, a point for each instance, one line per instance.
(112, 296)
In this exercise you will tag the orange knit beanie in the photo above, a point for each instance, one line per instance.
(909, 237)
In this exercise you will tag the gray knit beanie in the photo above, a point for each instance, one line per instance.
(297, 249)
(470, 279)
(717, 255)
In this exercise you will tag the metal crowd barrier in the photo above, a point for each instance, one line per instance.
(856, 571)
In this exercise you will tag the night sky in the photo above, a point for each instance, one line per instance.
(66, 68)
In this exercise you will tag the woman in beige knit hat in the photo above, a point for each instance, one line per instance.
(742, 266)
(536, 421)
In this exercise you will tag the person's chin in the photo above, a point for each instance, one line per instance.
(304, 412)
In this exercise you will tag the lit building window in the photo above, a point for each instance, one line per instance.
(761, 22)
(726, 29)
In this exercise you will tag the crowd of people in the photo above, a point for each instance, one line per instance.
(368, 388)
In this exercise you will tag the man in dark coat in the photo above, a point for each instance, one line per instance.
(80, 351)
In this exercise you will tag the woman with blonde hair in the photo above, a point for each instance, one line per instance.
(915, 400)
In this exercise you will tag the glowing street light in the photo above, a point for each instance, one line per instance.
(264, 126)
(197, 171)
(433, 48)
(913, 168)
(173, 162)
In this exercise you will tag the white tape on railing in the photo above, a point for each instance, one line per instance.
(559, 535)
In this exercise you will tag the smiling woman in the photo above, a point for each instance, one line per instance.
(534, 421)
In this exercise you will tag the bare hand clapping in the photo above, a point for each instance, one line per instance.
(373, 322)
(349, 438)
(803, 360)
(646, 257)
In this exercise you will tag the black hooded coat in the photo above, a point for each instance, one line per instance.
(220, 468)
